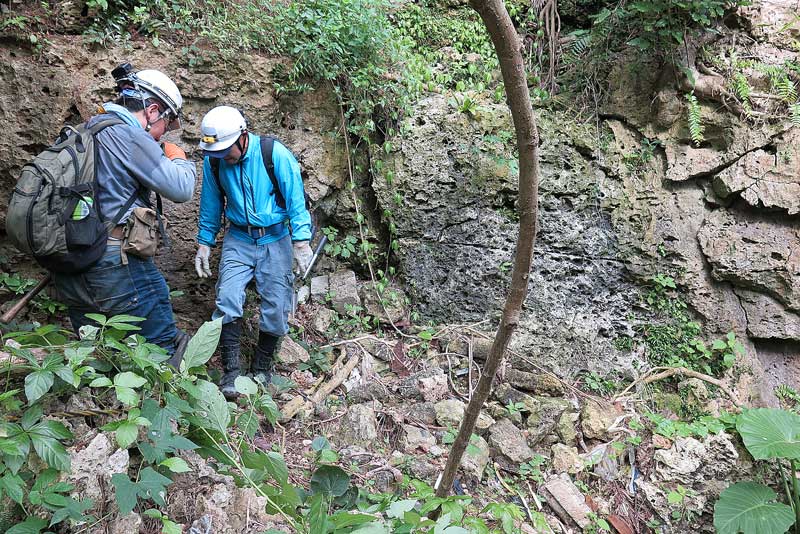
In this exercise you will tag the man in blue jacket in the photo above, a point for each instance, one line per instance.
(258, 242)
(130, 166)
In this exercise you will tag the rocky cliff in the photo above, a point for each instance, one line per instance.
(623, 198)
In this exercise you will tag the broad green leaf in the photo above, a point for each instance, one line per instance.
(318, 515)
(348, 519)
(270, 462)
(320, 443)
(176, 465)
(51, 429)
(330, 481)
(99, 382)
(372, 528)
(124, 319)
(398, 508)
(31, 525)
(66, 374)
(127, 396)
(751, 508)
(126, 434)
(31, 415)
(125, 492)
(202, 345)
(245, 385)
(13, 486)
(37, 384)
(248, 423)
(51, 451)
(96, 317)
(770, 433)
(170, 527)
(211, 401)
(153, 484)
(129, 380)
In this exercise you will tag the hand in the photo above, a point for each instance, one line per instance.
(302, 255)
(173, 151)
(201, 261)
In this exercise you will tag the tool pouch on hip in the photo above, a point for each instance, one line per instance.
(142, 233)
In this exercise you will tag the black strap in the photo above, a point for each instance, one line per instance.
(267, 143)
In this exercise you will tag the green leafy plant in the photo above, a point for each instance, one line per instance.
(695, 119)
(773, 435)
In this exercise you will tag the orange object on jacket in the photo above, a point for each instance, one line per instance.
(173, 151)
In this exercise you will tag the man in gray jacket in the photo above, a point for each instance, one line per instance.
(130, 166)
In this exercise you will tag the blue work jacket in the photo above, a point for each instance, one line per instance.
(248, 198)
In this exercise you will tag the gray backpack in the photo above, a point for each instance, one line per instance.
(53, 213)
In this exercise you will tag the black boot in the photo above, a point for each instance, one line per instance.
(264, 357)
(229, 351)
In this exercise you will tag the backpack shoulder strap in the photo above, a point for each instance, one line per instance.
(214, 163)
(267, 144)
(94, 129)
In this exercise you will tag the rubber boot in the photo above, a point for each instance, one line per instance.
(230, 354)
(264, 358)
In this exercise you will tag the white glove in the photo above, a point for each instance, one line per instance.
(201, 261)
(302, 255)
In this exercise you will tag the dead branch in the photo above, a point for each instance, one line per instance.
(667, 372)
(299, 402)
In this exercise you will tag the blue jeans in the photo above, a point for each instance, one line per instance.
(111, 288)
(271, 265)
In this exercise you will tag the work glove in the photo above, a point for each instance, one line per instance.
(201, 261)
(302, 255)
(173, 151)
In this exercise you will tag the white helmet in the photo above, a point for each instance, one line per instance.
(220, 129)
(152, 83)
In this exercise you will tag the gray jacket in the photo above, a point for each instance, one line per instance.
(130, 160)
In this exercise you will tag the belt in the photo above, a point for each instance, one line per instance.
(257, 232)
(117, 232)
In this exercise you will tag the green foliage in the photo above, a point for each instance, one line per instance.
(695, 119)
(343, 248)
(599, 385)
(773, 435)
(741, 88)
(750, 507)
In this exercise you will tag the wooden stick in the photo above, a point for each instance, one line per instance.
(14, 311)
(294, 406)
(682, 371)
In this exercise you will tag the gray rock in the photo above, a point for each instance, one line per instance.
(394, 302)
(343, 290)
(359, 426)
(566, 428)
(767, 318)
(422, 412)
(319, 288)
(125, 524)
(691, 461)
(450, 413)
(409, 387)
(538, 384)
(93, 466)
(543, 419)
(433, 388)
(415, 439)
(596, 419)
(567, 501)
(476, 458)
(368, 391)
(566, 459)
(323, 317)
(291, 353)
(509, 441)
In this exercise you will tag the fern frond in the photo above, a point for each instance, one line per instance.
(696, 127)
(741, 88)
(794, 114)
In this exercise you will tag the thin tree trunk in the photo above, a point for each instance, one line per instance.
(508, 47)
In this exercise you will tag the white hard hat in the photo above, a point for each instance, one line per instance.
(220, 129)
(151, 83)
